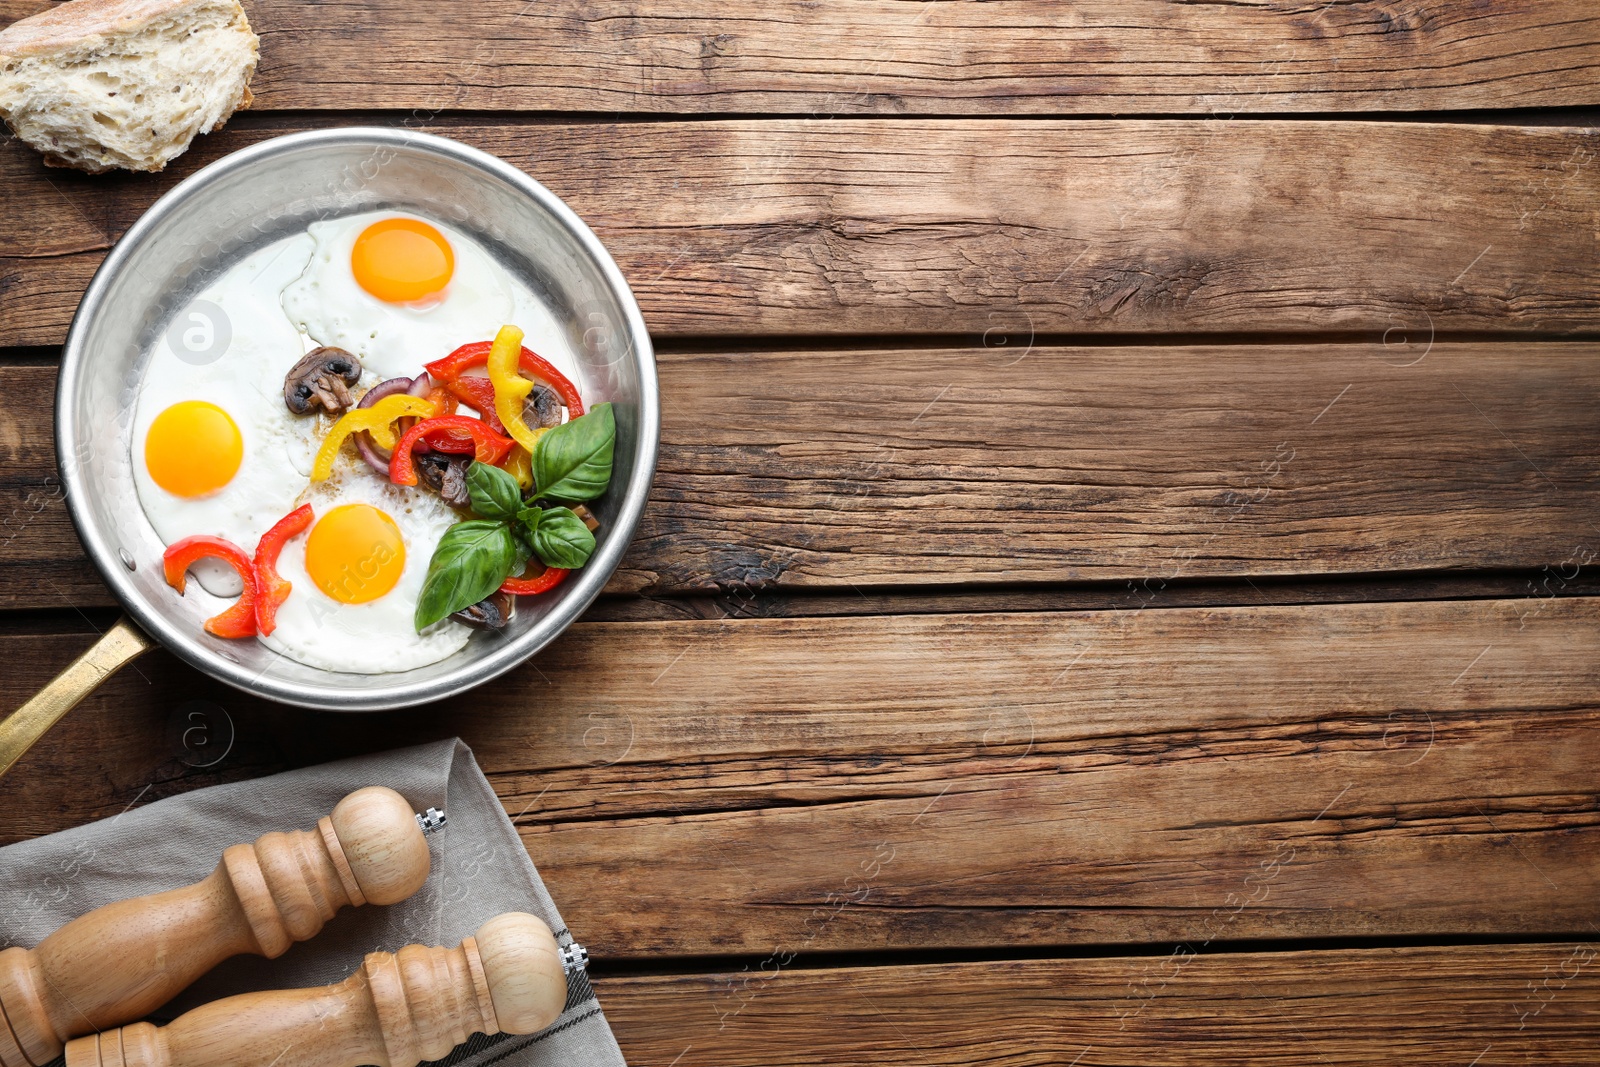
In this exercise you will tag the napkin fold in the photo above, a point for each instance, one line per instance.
(479, 869)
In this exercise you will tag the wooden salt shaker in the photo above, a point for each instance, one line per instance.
(122, 961)
(398, 1010)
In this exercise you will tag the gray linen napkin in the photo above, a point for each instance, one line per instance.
(480, 869)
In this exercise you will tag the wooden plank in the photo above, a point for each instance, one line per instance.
(738, 787)
(993, 228)
(1483, 1005)
(1010, 465)
(885, 57)
(994, 467)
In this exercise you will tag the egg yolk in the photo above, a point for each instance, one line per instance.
(354, 553)
(402, 260)
(193, 448)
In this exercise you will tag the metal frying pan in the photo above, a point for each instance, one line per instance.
(211, 220)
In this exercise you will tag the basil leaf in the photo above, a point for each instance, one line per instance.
(472, 559)
(562, 540)
(573, 461)
(494, 493)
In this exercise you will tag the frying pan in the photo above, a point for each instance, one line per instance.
(208, 222)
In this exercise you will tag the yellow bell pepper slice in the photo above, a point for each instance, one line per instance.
(383, 434)
(519, 464)
(519, 461)
(511, 389)
(376, 420)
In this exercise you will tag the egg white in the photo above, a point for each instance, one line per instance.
(395, 340)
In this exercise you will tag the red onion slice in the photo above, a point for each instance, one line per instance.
(421, 386)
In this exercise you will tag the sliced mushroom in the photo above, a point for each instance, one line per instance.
(587, 516)
(542, 408)
(491, 613)
(445, 474)
(322, 379)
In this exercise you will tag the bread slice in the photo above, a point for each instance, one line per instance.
(96, 84)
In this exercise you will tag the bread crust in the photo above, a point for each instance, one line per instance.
(68, 25)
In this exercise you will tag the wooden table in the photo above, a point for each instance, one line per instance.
(1118, 588)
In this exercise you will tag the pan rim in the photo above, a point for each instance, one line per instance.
(371, 697)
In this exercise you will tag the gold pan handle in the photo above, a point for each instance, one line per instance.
(121, 644)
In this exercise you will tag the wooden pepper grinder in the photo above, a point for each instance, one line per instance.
(399, 1009)
(122, 961)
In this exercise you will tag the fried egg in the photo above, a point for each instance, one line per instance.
(398, 291)
(357, 573)
(213, 445)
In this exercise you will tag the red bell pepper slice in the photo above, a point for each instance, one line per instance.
(488, 446)
(478, 392)
(528, 586)
(465, 358)
(452, 441)
(442, 401)
(272, 589)
(240, 619)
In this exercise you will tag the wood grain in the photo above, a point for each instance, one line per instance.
(992, 228)
(1489, 1005)
(800, 786)
(885, 57)
(1009, 466)
(996, 782)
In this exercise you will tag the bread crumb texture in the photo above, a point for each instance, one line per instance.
(97, 84)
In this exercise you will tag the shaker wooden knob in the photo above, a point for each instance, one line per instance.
(124, 960)
(398, 1010)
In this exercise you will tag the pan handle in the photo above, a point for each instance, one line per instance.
(119, 645)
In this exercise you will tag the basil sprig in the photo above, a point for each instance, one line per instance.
(571, 462)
